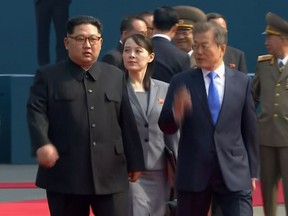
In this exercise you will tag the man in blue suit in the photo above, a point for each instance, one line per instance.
(218, 152)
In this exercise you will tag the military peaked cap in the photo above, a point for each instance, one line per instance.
(189, 15)
(276, 25)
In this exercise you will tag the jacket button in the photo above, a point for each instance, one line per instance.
(146, 140)
(93, 125)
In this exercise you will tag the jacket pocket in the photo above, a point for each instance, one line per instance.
(119, 148)
(113, 97)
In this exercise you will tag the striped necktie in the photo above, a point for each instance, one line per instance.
(213, 97)
(281, 67)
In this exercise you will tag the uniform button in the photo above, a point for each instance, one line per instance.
(93, 125)
(94, 143)
(278, 84)
(276, 104)
(277, 94)
(146, 140)
(92, 107)
(275, 115)
(90, 90)
(146, 125)
(86, 76)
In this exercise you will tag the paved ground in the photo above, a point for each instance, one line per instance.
(27, 173)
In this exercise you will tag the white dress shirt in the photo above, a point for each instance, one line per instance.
(219, 80)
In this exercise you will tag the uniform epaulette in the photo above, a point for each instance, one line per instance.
(265, 57)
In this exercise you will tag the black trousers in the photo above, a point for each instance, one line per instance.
(79, 205)
(46, 12)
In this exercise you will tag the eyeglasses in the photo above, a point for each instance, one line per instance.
(80, 39)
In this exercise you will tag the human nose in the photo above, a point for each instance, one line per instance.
(87, 43)
(180, 35)
(132, 54)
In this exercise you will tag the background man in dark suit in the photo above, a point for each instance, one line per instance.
(169, 60)
(270, 87)
(233, 58)
(129, 25)
(83, 130)
(218, 152)
(47, 11)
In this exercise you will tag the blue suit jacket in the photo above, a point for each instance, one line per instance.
(232, 139)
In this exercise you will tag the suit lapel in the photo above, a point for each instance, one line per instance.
(135, 102)
(199, 88)
(152, 97)
(228, 94)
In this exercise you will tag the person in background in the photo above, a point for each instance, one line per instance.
(233, 58)
(148, 17)
(129, 25)
(213, 107)
(270, 89)
(183, 38)
(82, 128)
(169, 60)
(47, 11)
(149, 193)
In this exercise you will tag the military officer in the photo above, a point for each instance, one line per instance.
(270, 89)
(183, 38)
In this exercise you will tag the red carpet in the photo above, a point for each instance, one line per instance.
(26, 208)
(11, 185)
(257, 195)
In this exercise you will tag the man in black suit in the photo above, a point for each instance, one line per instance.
(47, 11)
(169, 60)
(129, 25)
(83, 130)
(218, 151)
(233, 58)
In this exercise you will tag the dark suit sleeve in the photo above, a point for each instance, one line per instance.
(131, 139)
(256, 86)
(166, 120)
(249, 132)
(37, 113)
